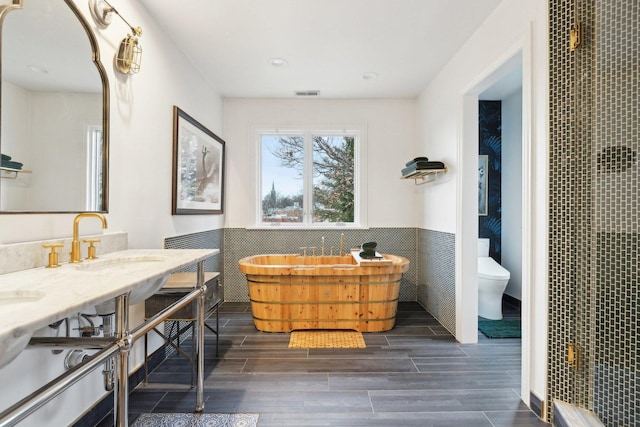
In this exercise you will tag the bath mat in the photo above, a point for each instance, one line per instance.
(196, 420)
(505, 328)
(326, 339)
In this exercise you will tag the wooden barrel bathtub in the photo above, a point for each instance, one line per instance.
(289, 292)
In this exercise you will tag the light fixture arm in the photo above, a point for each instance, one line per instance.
(137, 31)
(103, 11)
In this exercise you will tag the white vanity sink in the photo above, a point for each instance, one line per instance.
(113, 264)
(118, 262)
(32, 299)
(19, 296)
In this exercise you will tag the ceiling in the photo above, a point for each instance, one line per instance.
(328, 45)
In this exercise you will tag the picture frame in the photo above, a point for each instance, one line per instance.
(198, 167)
(483, 187)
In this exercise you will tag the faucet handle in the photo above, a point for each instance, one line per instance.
(53, 255)
(92, 249)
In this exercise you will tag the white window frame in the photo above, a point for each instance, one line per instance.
(307, 132)
(94, 164)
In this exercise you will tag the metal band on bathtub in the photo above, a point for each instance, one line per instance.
(324, 302)
(323, 283)
(382, 319)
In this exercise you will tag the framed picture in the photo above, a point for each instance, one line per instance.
(483, 191)
(198, 167)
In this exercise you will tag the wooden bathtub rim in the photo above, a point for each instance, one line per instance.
(400, 264)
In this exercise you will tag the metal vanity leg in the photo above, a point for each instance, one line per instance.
(121, 398)
(200, 339)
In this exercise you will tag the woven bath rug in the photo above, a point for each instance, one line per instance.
(505, 328)
(326, 339)
(196, 420)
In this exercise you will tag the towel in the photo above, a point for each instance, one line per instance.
(11, 164)
(5, 157)
(417, 159)
(422, 166)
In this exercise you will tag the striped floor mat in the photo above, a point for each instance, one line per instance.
(196, 420)
(326, 339)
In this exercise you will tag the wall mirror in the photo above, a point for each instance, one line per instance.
(54, 121)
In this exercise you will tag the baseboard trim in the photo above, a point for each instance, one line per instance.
(537, 406)
(512, 301)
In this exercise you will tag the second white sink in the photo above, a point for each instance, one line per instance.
(118, 262)
(141, 292)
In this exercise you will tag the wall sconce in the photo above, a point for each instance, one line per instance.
(129, 55)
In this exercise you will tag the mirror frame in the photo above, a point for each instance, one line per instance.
(95, 57)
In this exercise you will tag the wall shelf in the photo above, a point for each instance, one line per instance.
(10, 173)
(423, 176)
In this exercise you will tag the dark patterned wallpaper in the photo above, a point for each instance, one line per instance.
(490, 144)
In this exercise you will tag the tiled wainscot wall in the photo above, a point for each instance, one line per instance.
(430, 279)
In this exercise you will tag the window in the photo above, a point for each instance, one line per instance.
(94, 169)
(309, 178)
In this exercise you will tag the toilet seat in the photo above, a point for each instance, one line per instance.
(488, 268)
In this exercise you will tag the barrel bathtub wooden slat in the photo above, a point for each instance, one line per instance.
(289, 292)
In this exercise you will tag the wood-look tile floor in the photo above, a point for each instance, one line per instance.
(413, 375)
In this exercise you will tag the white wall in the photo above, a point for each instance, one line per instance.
(512, 191)
(59, 148)
(139, 183)
(440, 122)
(390, 127)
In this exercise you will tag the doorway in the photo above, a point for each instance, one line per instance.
(511, 70)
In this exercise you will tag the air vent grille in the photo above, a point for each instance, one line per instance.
(307, 93)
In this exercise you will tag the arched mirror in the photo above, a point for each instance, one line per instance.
(54, 121)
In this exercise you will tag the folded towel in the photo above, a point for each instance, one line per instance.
(370, 255)
(11, 165)
(417, 159)
(5, 157)
(422, 166)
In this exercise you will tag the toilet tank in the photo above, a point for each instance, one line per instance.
(483, 247)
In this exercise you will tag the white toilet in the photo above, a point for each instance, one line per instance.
(492, 281)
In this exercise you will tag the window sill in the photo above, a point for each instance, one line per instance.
(307, 227)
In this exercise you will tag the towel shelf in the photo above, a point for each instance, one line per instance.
(423, 176)
(10, 173)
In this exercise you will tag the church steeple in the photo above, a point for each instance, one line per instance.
(273, 193)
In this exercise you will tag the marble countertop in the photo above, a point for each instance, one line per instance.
(32, 299)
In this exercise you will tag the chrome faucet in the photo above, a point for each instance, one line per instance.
(75, 243)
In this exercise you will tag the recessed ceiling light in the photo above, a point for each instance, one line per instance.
(38, 69)
(369, 75)
(307, 93)
(278, 62)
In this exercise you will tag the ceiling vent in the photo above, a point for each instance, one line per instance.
(307, 93)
